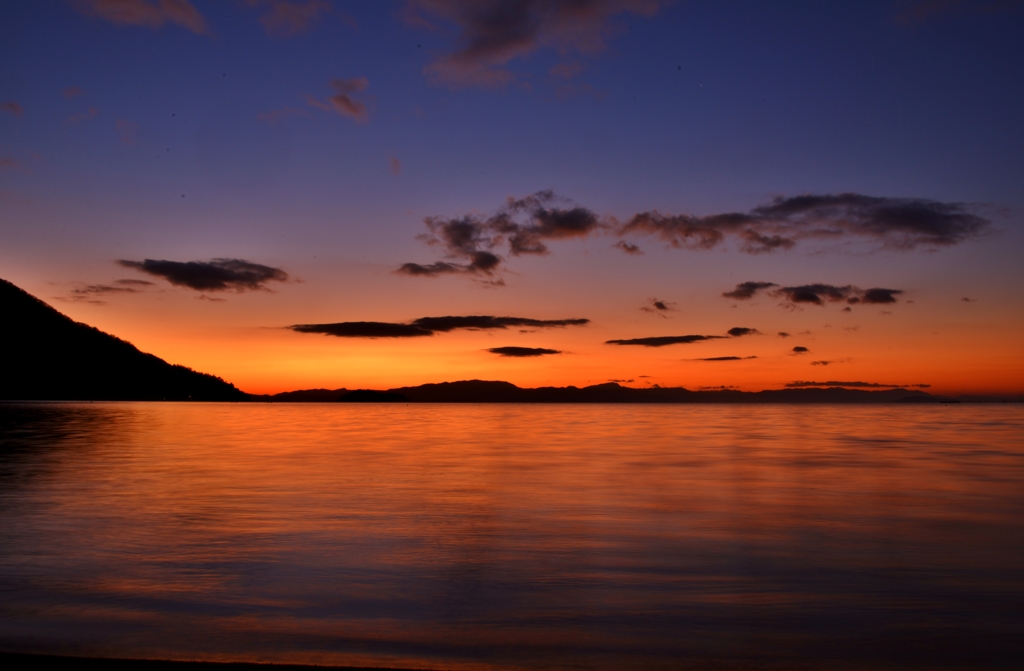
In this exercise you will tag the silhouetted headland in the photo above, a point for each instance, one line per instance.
(49, 356)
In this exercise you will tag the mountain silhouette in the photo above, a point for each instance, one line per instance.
(48, 356)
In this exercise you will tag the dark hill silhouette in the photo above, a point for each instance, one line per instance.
(372, 396)
(48, 356)
(303, 396)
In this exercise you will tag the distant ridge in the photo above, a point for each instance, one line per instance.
(48, 356)
(482, 391)
(496, 391)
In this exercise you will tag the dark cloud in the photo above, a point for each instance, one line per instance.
(880, 296)
(425, 326)
(523, 224)
(896, 223)
(721, 387)
(800, 350)
(724, 358)
(152, 13)
(658, 307)
(662, 341)
(814, 294)
(833, 383)
(480, 262)
(965, 299)
(344, 101)
(496, 32)
(526, 224)
(215, 275)
(73, 92)
(364, 330)
(746, 290)
(444, 324)
(12, 107)
(628, 247)
(522, 351)
(783, 334)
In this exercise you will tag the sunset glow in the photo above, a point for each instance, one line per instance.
(200, 180)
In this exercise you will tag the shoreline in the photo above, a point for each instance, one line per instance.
(26, 660)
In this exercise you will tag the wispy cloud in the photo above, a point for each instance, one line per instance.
(288, 19)
(94, 293)
(427, 326)
(127, 130)
(151, 13)
(73, 92)
(345, 101)
(493, 33)
(658, 307)
(394, 165)
(12, 107)
(79, 117)
(215, 275)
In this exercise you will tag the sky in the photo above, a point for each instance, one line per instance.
(327, 193)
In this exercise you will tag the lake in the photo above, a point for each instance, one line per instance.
(516, 536)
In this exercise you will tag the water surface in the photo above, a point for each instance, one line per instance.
(508, 536)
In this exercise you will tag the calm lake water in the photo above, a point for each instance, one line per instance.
(509, 536)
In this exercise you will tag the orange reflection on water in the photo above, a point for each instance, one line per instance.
(478, 536)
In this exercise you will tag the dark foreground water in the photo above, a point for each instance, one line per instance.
(506, 536)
